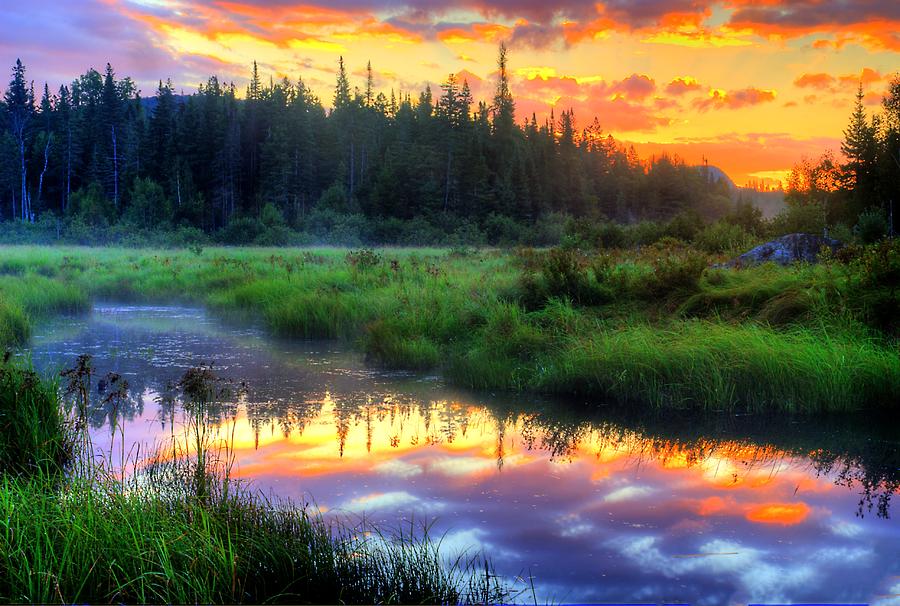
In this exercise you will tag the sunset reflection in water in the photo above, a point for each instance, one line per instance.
(593, 509)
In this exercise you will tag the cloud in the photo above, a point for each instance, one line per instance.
(785, 514)
(388, 500)
(635, 86)
(398, 468)
(821, 81)
(734, 99)
(682, 85)
(627, 493)
(872, 23)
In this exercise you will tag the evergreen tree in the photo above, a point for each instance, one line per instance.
(19, 102)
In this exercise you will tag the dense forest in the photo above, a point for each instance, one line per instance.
(95, 161)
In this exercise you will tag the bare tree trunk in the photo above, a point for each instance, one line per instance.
(24, 180)
(115, 159)
(44, 171)
(68, 167)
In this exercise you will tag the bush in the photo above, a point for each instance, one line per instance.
(807, 219)
(242, 230)
(685, 225)
(91, 206)
(875, 284)
(746, 216)
(364, 259)
(34, 438)
(564, 274)
(149, 207)
(723, 236)
(277, 235)
(503, 231)
(871, 226)
(676, 274)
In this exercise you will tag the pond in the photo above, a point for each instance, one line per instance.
(592, 503)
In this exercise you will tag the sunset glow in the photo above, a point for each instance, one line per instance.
(750, 87)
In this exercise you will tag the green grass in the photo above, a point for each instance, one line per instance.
(646, 326)
(34, 436)
(174, 528)
(97, 543)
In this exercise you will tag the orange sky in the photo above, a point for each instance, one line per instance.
(752, 85)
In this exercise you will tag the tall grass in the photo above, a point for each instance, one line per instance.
(34, 434)
(96, 543)
(179, 530)
(721, 366)
(570, 322)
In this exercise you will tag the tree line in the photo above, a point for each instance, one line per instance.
(378, 167)
(862, 191)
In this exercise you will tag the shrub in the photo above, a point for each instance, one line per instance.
(722, 236)
(364, 259)
(871, 226)
(747, 216)
(809, 219)
(676, 274)
(563, 273)
(502, 230)
(149, 207)
(34, 438)
(685, 225)
(242, 230)
(875, 284)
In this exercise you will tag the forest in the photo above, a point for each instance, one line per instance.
(97, 162)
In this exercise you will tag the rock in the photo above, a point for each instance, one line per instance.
(792, 248)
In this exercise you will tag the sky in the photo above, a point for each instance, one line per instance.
(750, 85)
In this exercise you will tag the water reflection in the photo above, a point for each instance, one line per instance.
(594, 503)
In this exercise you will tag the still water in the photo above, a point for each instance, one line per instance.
(595, 505)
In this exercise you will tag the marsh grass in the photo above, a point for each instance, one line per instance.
(653, 325)
(179, 529)
(34, 433)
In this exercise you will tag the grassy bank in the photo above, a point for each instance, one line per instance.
(653, 325)
(176, 529)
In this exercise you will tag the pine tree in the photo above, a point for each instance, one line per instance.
(342, 88)
(19, 100)
(860, 148)
(370, 84)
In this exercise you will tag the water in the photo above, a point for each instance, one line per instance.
(595, 505)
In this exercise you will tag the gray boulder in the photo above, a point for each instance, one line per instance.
(792, 248)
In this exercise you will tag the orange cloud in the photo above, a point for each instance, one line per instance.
(735, 99)
(682, 85)
(821, 81)
(778, 513)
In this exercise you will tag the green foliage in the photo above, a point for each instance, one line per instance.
(675, 273)
(363, 260)
(872, 226)
(160, 536)
(875, 284)
(746, 216)
(723, 236)
(685, 225)
(91, 207)
(149, 207)
(563, 273)
(34, 435)
(808, 219)
(527, 320)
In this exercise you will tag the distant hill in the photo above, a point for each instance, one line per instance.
(769, 202)
(149, 103)
(717, 174)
